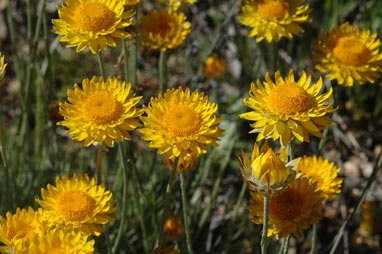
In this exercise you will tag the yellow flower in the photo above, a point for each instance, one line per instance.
(267, 172)
(185, 163)
(2, 69)
(169, 249)
(214, 67)
(181, 124)
(93, 24)
(176, 4)
(287, 108)
(78, 204)
(274, 19)
(348, 54)
(173, 227)
(163, 30)
(100, 111)
(324, 173)
(60, 242)
(18, 230)
(291, 211)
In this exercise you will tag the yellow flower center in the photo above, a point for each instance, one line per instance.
(181, 120)
(94, 16)
(269, 9)
(75, 205)
(289, 98)
(349, 50)
(102, 108)
(57, 251)
(287, 205)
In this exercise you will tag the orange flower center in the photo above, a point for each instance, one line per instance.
(102, 108)
(350, 51)
(181, 120)
(94, 16)
(269, 9)
(75, 205)
(289, 98)
(287, 205)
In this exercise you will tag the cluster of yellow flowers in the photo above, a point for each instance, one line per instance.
(73, 210)
(346, 54)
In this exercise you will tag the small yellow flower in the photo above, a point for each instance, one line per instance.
(287, 108)
(267, 172)
(274, 19)
(93, 24)
(60, 242)
(323, 172)
(78, 204)
(176, 4)
(291, 211)
(2, 68)
(173, 227)
(100, 111)
(349, 54)
(18, 230)
(181, 124)
(214, 67)
(163, 30)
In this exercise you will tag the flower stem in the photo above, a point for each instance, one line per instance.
(167, 198)
(285, 246)
(124, 198)
(101, 64)
(162, 71)
(99, 162)
(264, 237)
(125, 62)
(186, 214)
(313, 250)
(365, 190)
(6, 167)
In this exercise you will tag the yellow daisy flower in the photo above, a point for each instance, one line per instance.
(163, 30)
(173, 227)
(348, 54)
(214, 67)
(287, 108)
(78, 204)
(324, 173)
(267, 172)
(176, 4)
(181, 124)
(291, 211)
(274, 19)
(2, 68)
(59, 241)
(100, 111)
(18, 230)
(93, 24)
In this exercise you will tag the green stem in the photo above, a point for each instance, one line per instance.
(101, 65)
(264, 237)
(167, 199)
(186, 214)
(313, 250)
(273, 55)
(292, 150)
(133, 59)
(285, 246)
(125, 61)
(6, 167)
(162, 71)
(124, 198)
(99, 162)
(365, 190)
